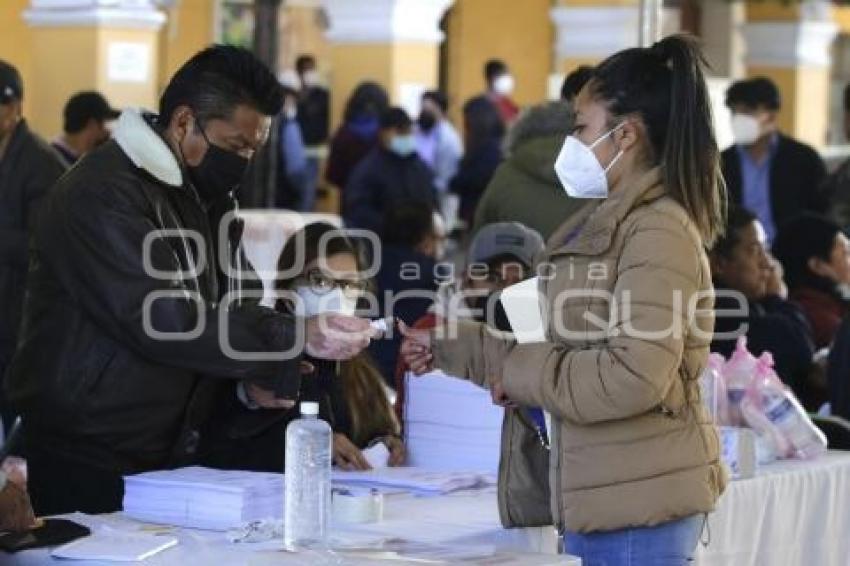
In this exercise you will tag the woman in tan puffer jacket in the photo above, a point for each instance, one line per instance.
(627, 301)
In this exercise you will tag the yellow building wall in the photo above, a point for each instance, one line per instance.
(16, 44)
(522, 36)
(805, 96)
(302, 31)
(841, 16)
(129, 94)
(189, 29)
(774, 11)
(65, 59)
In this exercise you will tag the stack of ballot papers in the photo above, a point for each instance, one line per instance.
(450, 424)
(417, 481)
(203, 498)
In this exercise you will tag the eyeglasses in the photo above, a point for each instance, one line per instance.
(321, 284)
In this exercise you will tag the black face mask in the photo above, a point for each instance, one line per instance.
(427, 121)
(218, 173)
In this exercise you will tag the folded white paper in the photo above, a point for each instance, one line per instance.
(415, 480)
(112, 545)
(378, 456)
(522, 305)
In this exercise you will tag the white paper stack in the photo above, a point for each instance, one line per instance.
(203, 498)
(451, 424)
(414, 480)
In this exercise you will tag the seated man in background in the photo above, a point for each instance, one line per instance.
(392, 175)
(414, 241)
(749, 291)
(771, 174)
(815, 255)
(85, 117)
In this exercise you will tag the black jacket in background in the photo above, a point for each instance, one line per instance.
(776, 326)
(314, 115)
(27, 170)
(383, 180)
(797, 175)
(93, 385)
(476, 169)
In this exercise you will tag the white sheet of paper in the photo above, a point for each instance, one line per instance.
(378, 456)
(522, 305)
(112, 545)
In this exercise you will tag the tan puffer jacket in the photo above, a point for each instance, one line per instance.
(630, 320)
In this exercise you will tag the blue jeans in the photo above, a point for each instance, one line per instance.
(667, 544)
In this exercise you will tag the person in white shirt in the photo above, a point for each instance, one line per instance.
(437, 141)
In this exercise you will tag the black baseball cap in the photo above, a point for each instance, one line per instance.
(85, 106)
(11, 84)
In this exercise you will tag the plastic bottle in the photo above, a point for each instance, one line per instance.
(773, 410)
(785, 412)
(307, 499)
(738, 373)
(714, 390)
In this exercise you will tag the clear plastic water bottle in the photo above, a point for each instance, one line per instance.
(785, 412)
(307, 499)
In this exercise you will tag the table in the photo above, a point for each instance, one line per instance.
(466, 520)
(791, 514)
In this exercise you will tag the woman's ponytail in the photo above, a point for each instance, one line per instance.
(691, 158)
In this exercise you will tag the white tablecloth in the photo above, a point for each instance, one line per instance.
(791, 514)
(463, 520)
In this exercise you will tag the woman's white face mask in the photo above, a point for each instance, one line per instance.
(579, 169)
(332, 302)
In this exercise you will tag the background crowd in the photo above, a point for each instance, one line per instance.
(482, 196)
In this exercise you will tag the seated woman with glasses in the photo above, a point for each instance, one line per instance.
(326, 276)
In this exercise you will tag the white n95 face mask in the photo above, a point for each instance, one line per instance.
(504, 85)
(332, 302)
(745, 129)
(579, 170)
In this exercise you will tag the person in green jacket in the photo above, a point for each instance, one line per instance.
(524, 188)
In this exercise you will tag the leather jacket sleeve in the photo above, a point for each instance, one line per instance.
(99, 247)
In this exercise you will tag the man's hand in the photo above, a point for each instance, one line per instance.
(416, 349)
(266, 399)
(347, 456)
(337, 337)
(16, 513)
(398, 452)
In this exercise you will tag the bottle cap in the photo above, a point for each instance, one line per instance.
(309, 408)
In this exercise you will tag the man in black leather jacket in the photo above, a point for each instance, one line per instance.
(127, 320)
(28, 168)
